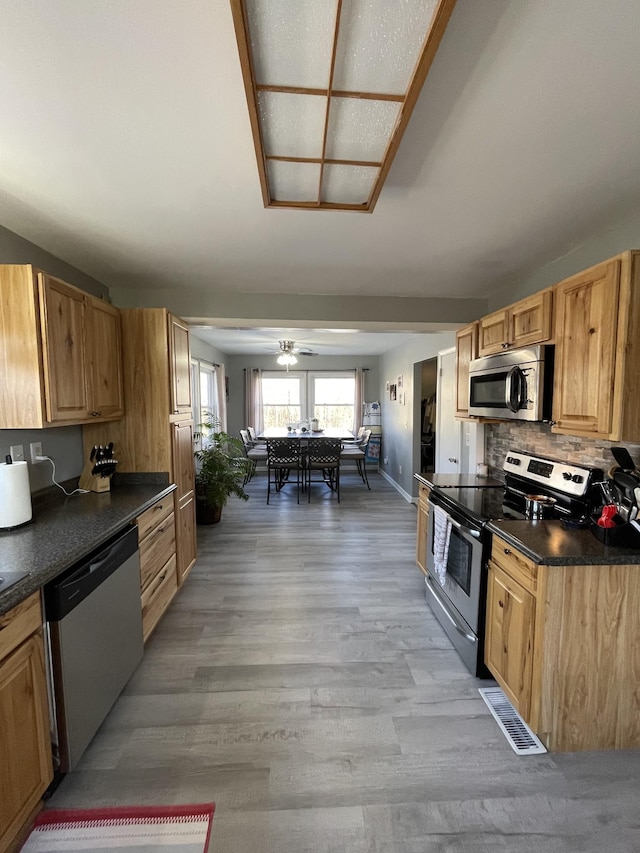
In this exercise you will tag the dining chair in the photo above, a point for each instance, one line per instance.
(323, 457)
(358, 453)
(254, 453)
(284, 455)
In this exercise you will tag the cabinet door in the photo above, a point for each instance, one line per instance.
(104, 353)
(530, 320)
(63, 336)
(509, 637)
(493, 332)
(185, 537)
(586, 327)
(183, 464)
(466, 350)
(180, 364)
(25, 745)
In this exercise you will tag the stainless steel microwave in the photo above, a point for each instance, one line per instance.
(514, 385)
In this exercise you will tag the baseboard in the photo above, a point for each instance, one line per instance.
(408, 498)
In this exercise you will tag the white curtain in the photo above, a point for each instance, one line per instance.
(358, 408)
(220, 397)
(253, 399)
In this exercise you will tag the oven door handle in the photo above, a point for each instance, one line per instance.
(467, 636)
(513, 400)
(463, 529)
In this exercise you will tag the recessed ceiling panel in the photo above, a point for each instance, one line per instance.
(292, 41)
(347, 184)
(291, 125)
(293, 181)
(360, 129)
(379, 44)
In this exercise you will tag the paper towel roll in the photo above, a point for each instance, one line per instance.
(15, 496)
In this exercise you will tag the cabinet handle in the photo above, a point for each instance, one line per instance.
(500, 604)
(505, 345)
(95, 414)
(507, 550)
(452, 459)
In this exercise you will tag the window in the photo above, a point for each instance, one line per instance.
(204, 392)
(333, 399)
(288, 398)
(282, 398)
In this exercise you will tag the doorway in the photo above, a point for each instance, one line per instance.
(427, 422)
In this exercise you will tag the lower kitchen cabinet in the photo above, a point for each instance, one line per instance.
(562, 643)
(158, 575)
(509, 637)
(186, 537)
(25, 743)
(421, 533)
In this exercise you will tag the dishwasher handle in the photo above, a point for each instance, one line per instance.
(68, 590)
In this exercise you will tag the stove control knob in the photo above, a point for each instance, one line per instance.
(566, 475)
(578, 478)
(513, 461)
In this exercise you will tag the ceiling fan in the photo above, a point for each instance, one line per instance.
(288, 351)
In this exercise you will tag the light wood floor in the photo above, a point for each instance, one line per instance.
(300, 681)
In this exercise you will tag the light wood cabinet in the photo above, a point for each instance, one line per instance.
(597, 367)
(158, 574)
(509, 637)
(466, 351)
(25, 744)
(421, 533)
(180, 356)
(61, 350)
(562, 643)
(153, 436)
(527, 322)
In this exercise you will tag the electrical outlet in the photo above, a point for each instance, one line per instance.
(36, 450)
(386, 460)
(17, 452)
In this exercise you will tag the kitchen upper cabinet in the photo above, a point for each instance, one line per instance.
(527, 322)
(25, 744)
(597, 367)
(180, 361)
(154, 437)
(466, 351)
(104, 357)
(61, 352)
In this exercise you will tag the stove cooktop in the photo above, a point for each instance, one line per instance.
(483, 504)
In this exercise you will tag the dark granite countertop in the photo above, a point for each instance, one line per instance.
(458, 481)
(64, 529)
(550, 543)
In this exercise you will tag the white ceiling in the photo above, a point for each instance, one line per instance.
(125, 149)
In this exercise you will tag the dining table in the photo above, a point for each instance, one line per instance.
(283, 432)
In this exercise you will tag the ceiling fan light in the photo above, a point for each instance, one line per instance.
(287, 358)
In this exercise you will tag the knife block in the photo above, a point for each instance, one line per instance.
(93, 482)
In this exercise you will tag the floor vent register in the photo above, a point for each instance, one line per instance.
(517, 732)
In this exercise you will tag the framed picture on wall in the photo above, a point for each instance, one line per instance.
(399, 382)
(392, 392)
(388, 385)
(401, 398)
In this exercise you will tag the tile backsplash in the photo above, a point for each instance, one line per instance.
(538, 439)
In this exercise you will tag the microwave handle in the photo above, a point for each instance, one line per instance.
(512, 400)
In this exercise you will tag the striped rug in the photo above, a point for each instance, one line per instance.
(129, 829)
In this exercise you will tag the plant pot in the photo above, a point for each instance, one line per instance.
(206, 514)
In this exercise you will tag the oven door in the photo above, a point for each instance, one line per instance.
(462, 581)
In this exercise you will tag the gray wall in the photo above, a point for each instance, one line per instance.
(235, 365)
(63, 444)
(624, 236)
(201, 349)
(401, 424)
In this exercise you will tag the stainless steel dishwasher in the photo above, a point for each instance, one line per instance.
(94, 628)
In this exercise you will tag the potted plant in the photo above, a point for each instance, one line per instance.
(221, 471)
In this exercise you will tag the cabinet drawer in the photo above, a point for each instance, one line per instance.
(156, 597)
(154, 515)
(156, 548)
(521, 568)
(19, 623)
